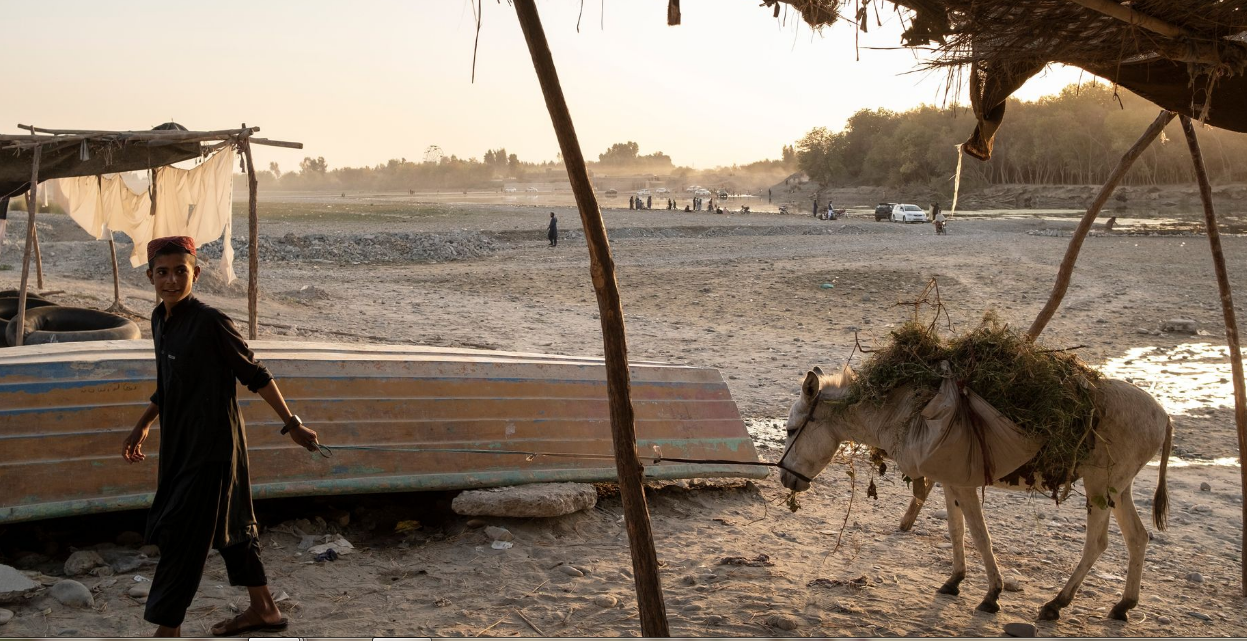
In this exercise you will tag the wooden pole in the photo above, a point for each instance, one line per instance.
(38, 254)
(30, 242)
(653, 612)
(1227, 309)
(253, 245)
(1128, 15)
(1075, 244)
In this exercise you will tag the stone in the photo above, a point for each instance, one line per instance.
(29, 560)
(1164, 620)
(13, 584)
(1195, 577)
(1205, 487)
(103, 570)
(1199, 615)
(5, 616)
(783, 622)
(498, 533)
(1201, 509)
(476, 523)
(149, 551)
(941, 514)
(1013, 584)
(526, 501)
(715, 619)
(570, 571)
(1180, 325)
(140, 590)
(80, 563)
(129, 539)
(72, 594)
(605, 601)
(1021, 630)
(127, 564)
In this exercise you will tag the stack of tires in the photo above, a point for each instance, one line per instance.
(47, 322)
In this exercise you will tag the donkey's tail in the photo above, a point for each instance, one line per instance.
(1160, 503)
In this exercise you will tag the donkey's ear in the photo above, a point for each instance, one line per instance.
(817, 370)
(811, 386)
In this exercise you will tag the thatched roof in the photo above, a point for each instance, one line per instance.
(1187, 56)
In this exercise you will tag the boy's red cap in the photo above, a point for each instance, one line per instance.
(185, 242)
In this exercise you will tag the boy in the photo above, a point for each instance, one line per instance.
(203, 495)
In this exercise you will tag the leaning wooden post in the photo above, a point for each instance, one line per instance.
(1084, 226)
(653, 611)
(30, 241)
(38, 257)
(1227, 309)
(253, 243)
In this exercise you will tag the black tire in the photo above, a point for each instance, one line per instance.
(13, 293)
(8, 306)
(56, 324)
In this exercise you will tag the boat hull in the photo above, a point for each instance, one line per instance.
(65, 410)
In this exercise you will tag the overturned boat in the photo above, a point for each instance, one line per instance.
(424, 418)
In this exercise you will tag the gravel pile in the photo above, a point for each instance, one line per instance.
(366, 248)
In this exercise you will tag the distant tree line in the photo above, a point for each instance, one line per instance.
(1076, 137)
(452, 172)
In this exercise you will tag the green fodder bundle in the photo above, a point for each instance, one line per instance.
(1048, 394)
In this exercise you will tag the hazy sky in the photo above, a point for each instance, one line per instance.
(362, 81)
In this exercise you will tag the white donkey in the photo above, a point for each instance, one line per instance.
(1131, 429)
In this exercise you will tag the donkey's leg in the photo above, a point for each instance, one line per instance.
(922, 488)
(1096, 485)
(957, 534)
(969, 500)
(1135, 534)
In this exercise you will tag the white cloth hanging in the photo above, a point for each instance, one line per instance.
(198, 203)
(189, 202)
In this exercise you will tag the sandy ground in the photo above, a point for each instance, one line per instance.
(743, 294)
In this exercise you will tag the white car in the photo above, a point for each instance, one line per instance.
(702, 192)
(533, 189)
(908, 214)
(643, 193)
(662, 190)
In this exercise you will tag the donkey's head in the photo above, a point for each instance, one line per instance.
(815, 429)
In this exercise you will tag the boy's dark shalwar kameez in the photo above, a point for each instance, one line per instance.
(203, 496)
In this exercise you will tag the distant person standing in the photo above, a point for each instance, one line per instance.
(816, 206)
(649, 202)
(631, 202)
(552, 231)
(768, 194)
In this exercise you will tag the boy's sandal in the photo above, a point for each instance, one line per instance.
(237, 625)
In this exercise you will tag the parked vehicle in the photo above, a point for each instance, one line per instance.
(509, 190)
(906, 213)
(611, 193)
(722, 193)
(643, 193)
(883, 211)
(662, 190)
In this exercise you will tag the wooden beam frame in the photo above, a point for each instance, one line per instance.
(253, 245)
(31, 210)
(653, 612)
(1231, 323)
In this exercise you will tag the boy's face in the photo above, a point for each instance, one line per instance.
(173, 275)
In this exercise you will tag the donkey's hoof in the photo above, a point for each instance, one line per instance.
(1049, 612)
(949, 588)
(1120, 610)
(989, 606)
